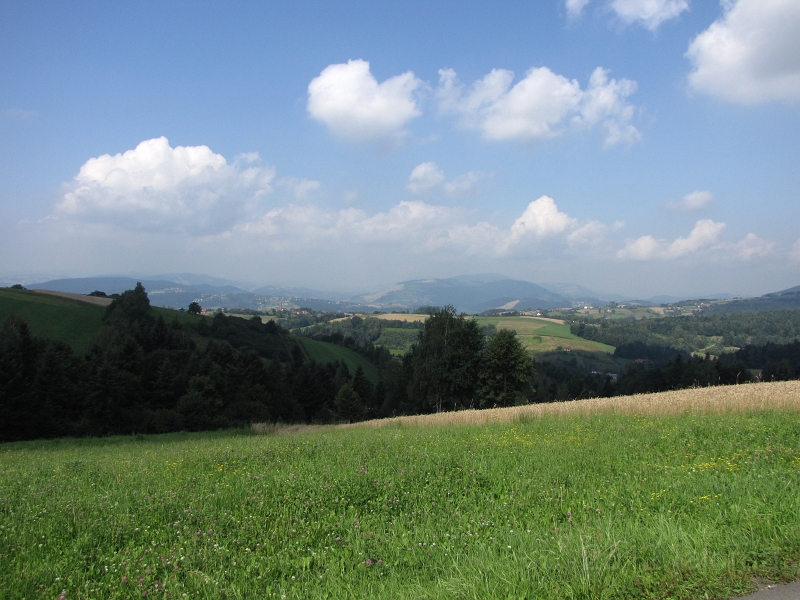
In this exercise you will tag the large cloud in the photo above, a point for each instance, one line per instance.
(419, 227)
(703, 239)
(155, 187)
(750, 54)
(355, 107)
(541, 105)
(705, 233)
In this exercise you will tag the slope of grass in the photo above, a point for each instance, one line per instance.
(540, 336)
(73, 322)
(324, 352)
(577, 506)
(69, 321)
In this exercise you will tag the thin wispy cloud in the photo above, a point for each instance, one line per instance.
(692, 202)
(428, 176)
(650, 14)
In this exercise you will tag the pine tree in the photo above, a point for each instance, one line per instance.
(505, 370)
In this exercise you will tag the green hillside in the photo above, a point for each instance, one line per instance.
(77, 323)
(69, 321)
(324, 352)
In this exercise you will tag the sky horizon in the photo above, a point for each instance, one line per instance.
(638, 147)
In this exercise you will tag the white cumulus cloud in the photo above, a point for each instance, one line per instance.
(541, 105)
(349, 100)
(750, 54)
(424, 177)
(155, 187)
(693, 201)
(704, 235)
(751, 246)
(419, 227)
(541, 218)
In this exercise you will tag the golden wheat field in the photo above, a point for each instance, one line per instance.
(751, 397)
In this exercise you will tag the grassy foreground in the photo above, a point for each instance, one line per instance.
(561, 503)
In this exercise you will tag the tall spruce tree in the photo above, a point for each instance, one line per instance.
(506, 369)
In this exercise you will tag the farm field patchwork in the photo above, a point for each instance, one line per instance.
(400, 317)
(575, 500)
(544, 335)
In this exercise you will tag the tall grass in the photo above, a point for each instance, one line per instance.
(691, 500)
(779, 395)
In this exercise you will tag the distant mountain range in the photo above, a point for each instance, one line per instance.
(470, 293)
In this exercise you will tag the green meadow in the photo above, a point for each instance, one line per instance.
(72, 322)
(577, 506)
(69, 321)
(324, 352)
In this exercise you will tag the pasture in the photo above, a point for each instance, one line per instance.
(540, 336)
(73, 319)
(324, 352)
(680, 495)
(73, 322)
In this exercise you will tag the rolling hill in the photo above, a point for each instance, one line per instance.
(471, 294)
(77, 320)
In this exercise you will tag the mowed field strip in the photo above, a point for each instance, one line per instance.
(679, 495)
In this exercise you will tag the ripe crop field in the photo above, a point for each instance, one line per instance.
(689, 497)
(400, 317)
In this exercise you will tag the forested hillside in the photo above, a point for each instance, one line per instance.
(691, 334)
(142, 374)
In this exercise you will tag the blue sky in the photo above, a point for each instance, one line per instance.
(637, 146)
